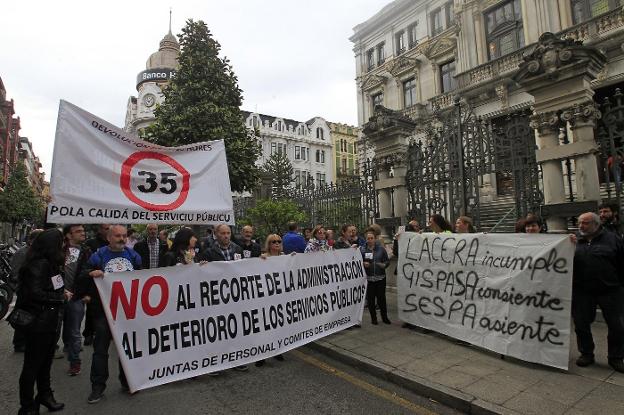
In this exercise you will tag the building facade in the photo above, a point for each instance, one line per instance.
(420, 58)
(9, 136)
(32, 165)
(160, 68)
(308, 145)
(345, 151)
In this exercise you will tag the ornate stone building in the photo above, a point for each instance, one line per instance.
(445, 69)
(308, 145)
(159, 69)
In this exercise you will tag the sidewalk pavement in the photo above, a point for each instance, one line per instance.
(474, 380)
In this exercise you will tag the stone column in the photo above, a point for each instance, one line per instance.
(581, 118)
(388, 132)
(546, 126)
(558, 73)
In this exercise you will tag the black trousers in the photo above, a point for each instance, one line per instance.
(376, 291)
(19, 339)
(88, 322)
(37, 363)
(99, 363)
(584, 314)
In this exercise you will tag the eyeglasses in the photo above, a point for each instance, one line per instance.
(276, 241)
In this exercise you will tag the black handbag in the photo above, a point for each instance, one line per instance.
(21, 319)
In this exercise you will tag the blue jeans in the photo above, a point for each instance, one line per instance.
(72, 319)
(99, 364)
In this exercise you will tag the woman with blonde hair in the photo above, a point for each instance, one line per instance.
(272, 247)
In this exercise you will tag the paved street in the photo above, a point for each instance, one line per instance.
(306, 383)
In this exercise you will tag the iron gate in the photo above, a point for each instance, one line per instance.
(447, 169)
(353, 200)
(610, 139)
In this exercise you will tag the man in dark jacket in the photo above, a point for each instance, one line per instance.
(115, 257)
(151, 249)
(251, 249)
(223, 249)
(598, 281)
(76, 255)
(609, 218)
(94, 244)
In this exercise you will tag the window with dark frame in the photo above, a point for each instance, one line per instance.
(441, 18)
(370, 59)
(504, 29)
(411, 35)
(381, 53)
(436, 22)
(297, 178)
(583, 10)
(376, 99)
(297, 153)
(409, 93)
(447, 76)
(399, 40)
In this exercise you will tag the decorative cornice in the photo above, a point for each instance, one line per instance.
(585, 112)
(402, 65)
(545, 122)
(440, 46)
(384, 118)
(385, 163)
(552, 55)
(372, 82)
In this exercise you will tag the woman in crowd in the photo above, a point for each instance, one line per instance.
(438, 224)
(375, 263)
(345, 241)
(41, 294)
(533, 224)
(272, 247)
(182, 249)
(463, 224)
(318, 241)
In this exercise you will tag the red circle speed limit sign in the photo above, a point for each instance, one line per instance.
(151, 183)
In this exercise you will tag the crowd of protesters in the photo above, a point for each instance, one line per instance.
(62, 309)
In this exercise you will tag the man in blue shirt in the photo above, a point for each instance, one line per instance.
(115, 257)
(293, 241)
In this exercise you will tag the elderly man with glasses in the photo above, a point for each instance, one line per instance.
(598, 281)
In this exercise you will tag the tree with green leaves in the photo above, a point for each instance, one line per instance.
(202, 103)
(280, 170)
(271, 216)
(18, 201)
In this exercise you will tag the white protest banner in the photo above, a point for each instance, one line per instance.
(101, 174)
(509, 293)
(173, 323)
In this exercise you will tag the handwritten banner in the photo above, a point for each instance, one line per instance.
(178, 322)
(509, 293)
(102, 174)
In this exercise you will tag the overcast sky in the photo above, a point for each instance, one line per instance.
(293, 58)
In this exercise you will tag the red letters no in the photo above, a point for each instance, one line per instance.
(164, 295)
(118, 293)
(129, 305)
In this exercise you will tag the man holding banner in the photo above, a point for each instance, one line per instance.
(115, 257)
(598, 280)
